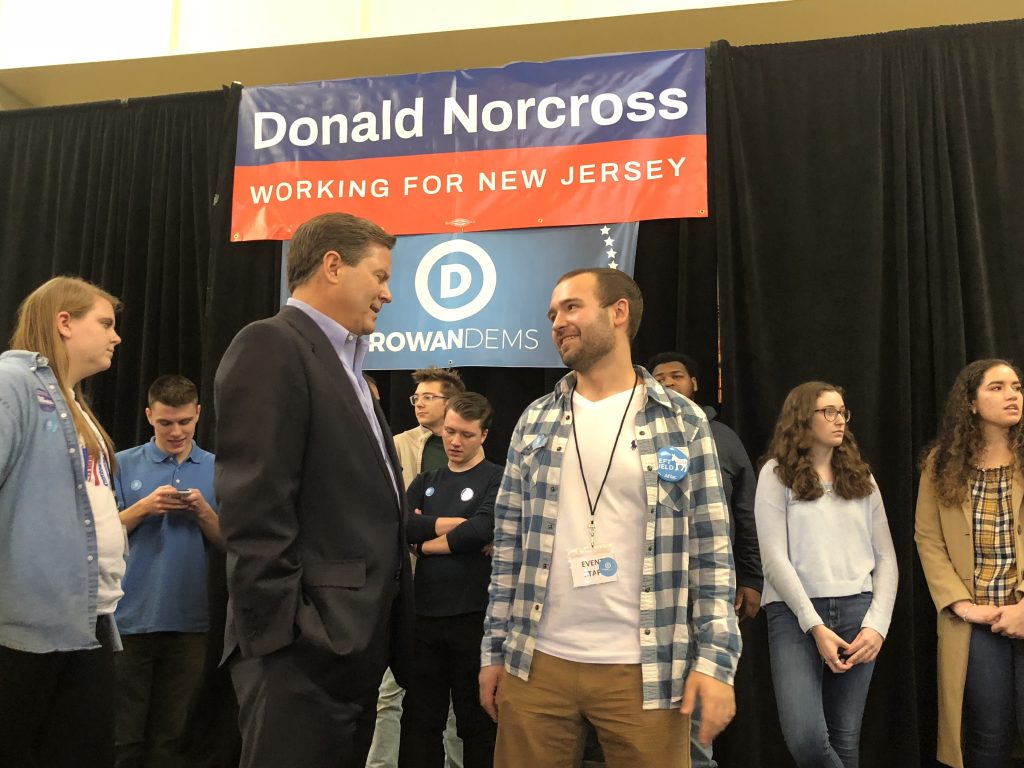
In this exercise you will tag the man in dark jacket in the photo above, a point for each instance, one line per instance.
(311, 504)
(678, 371)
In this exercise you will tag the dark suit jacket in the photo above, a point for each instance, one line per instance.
(311, 520)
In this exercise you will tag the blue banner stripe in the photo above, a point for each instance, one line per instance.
(561, 103)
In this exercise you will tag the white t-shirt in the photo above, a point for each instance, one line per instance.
(110, 535)
(599, 623)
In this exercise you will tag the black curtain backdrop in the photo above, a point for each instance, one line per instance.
(869, 219)
(866, 221)
(134, 196)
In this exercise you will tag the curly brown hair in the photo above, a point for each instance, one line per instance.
(952, 456)
(791, 447)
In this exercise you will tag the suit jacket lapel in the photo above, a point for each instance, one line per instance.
(967, 508)
(389, 444)
(338, 376)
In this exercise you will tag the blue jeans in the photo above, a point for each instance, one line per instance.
(820, 711)
(993, 698)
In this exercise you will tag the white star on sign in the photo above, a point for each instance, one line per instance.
(609, 241)
(605, 230)
(611, 253)
(613, 265)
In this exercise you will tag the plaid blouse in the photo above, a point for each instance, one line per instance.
(687, 619)
(995, 562)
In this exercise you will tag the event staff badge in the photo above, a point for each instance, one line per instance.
(593, 565)
(673, 464)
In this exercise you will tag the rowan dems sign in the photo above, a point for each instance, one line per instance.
(575, 141)
(482, 298)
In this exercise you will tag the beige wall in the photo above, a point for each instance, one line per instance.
(741, 25)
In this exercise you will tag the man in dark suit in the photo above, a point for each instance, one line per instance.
(311, 509)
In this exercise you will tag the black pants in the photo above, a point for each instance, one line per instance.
(447, 665)
(211, 738)
(57, 709)
(156, 674)
(289, 718)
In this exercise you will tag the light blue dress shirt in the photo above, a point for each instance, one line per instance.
(351, 350)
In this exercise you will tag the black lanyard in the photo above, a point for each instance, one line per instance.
(593, 504)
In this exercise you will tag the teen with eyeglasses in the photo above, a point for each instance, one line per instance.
(420, 449)
(829, 575)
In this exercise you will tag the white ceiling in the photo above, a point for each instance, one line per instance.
(478, 47)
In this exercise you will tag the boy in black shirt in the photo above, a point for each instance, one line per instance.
(451, 525)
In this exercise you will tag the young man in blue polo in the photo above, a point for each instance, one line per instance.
(165, 493)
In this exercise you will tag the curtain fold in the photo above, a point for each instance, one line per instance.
(866, 229)
(123, 194)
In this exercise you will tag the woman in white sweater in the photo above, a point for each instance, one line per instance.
(829, 575)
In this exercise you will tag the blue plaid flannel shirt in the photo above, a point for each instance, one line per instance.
(688, 587)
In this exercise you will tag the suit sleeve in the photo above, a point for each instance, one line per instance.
(478, 530)
(263, 412)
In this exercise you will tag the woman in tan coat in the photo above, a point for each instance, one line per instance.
(968, 533)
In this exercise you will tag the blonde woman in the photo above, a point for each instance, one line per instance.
(969, 539)
(61, 541)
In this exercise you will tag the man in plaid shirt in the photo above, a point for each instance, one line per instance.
(612, 584)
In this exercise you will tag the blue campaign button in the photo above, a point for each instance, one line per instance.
(135, 485)
(429, 491)
(607, 566)
(673, 463)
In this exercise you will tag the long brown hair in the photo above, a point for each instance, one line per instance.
(791, 448)
(36, 331)
(951, 457)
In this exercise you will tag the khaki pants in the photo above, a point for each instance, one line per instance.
(540, 721)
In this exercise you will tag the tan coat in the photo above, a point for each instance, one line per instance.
(409, 447)
(945, 543)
